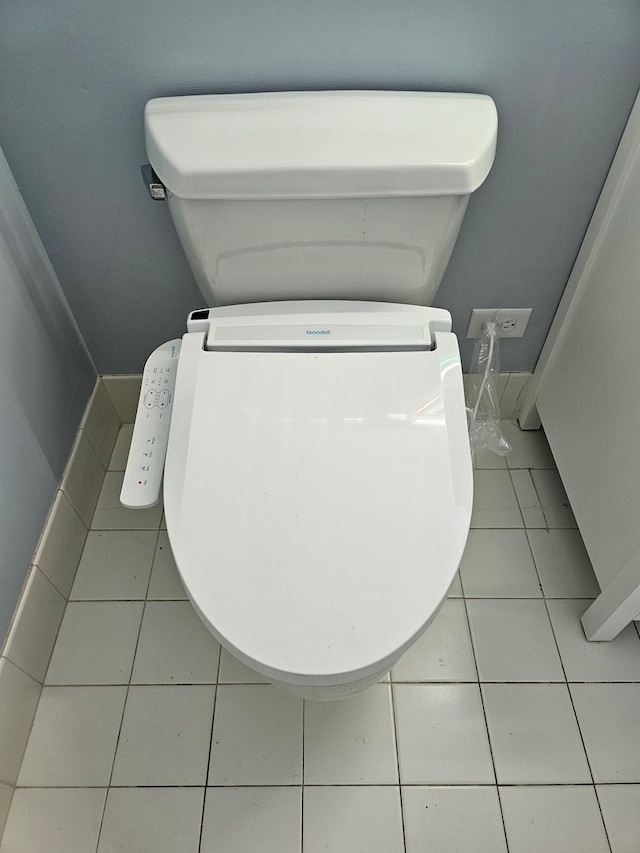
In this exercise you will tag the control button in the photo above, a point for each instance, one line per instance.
(164, 398)
(150, 399)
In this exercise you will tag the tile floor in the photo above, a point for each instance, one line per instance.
(502, 729)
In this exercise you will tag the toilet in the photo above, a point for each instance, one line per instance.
(318, 481)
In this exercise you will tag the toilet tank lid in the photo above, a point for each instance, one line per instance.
(321, 144)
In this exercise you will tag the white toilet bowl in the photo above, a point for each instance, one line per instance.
(318, 484)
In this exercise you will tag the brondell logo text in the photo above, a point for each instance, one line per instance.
(318, 331)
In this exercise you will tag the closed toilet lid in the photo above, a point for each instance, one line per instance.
(311, 504)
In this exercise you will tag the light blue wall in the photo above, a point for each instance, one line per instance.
(46, 377)
(75, 77)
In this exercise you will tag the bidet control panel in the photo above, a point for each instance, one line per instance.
(145, 465)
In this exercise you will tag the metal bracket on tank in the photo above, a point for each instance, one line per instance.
(152, 182)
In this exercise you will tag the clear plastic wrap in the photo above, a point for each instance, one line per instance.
(483, 409)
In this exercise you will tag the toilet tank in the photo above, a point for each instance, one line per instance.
(320, 195)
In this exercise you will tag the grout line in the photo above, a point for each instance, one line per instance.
(604, 823)
(486, 720)
(295, 786)
(124, 708)
(153, 559)
(575, 714)
(206, 776)
(439, 682)
(133, 660)
(394, 719)
(302, 786)
(535, 564)
(515, 492)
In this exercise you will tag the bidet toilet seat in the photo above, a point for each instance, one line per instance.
(318, 476)
(318, 501)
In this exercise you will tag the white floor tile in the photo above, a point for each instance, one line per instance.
(73, 739)
(453, 819)
(96, 643)
(529, 448)
(257, 737)
(616, 660)
(534, 735)
(174, 647)
(352, 820)
(553, 819)
(528, 499)
(621, 811)
(513, 640)
(165, 581)
(442, 738)
(115, 564)
(120, 453)
(252, 820)
(553, 498)
(152, 820)
(550, 489)
(234, 672)
(165, 736)
(563, 564)
(498, 564)
(55, 820)
(609, 720)
(111, 515)
(558, 517)
(494, 501)
(443, 653)
(351, 742)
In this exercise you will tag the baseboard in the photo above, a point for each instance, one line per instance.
(511, 390)
(123, 391)
(34, 628)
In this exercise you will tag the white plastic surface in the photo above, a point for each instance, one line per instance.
(145, 464)
(318, 503)
(321, 324)
(586, 394)
(321, 144)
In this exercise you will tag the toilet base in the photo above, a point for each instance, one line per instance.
(331, 692)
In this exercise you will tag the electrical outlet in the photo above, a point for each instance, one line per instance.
(512, 322)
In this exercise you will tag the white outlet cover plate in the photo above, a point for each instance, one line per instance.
(480, 315)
